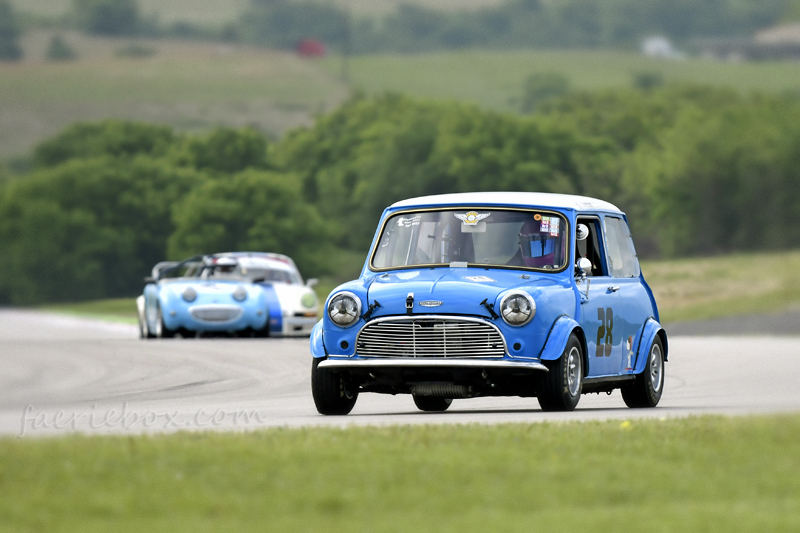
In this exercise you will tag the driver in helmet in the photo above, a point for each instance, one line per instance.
(225, 266)
(538, 248)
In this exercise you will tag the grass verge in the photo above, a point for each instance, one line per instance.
(699, 474)
(112, 310)
(712, 287)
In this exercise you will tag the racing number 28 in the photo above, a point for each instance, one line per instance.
(606, 317)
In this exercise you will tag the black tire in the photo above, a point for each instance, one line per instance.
(162, 331)
(647, 387)
(331, 391)
(560, 388)
(143, 333)
(262, 333)
(144, 329)
(432, 404)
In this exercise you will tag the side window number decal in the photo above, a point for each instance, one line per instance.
(606, 318)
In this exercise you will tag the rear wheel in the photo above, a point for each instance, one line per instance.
(162, 331)
(333, 394)
(430, 403)
(560, 388)
(646, 389)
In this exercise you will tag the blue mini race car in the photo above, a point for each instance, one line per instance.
(244, 293)
(493, 294)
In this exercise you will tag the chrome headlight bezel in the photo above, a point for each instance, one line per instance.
(240, 294)
(338, 297)
(515, 294)
(189, 294)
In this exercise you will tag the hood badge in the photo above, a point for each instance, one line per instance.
(479, 279)
(430, 303)
(410, 302)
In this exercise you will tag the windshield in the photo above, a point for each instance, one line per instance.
(240, 273)
(480, 237)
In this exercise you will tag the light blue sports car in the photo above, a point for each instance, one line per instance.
(493, 294)
(243, 293)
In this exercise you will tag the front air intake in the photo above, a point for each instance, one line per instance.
(431, 336)
(441, 390)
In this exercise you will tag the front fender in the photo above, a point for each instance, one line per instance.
(317, 346)
(649, 331)
(558, 337)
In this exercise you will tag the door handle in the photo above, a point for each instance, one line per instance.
(613, 289)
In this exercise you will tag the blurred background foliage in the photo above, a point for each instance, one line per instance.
(241, 144)
(699, 170)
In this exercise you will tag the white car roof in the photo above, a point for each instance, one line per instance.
(263, 262)
(533, 199)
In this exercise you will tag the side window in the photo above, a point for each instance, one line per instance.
(591, 248)
(622, 259)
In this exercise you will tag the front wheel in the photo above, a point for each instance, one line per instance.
(331, 391)
(560, 388)
(646, 389)
(429, 403)
(162, 331)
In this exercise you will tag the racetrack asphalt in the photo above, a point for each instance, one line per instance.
(62, 374)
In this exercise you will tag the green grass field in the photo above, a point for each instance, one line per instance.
(192, 86)
(697, 474)
(195, 86)
(495, 79)
(685, 289)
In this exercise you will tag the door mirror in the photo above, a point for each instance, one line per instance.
(583, 266)
(581, 232)
(312, 282)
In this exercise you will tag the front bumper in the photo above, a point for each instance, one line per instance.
(429, 363)
(298, 326)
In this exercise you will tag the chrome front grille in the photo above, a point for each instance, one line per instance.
(430, 337)
(216, 313)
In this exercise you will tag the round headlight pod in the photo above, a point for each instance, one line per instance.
(240, 294)
(189, 294)
(344, 309)
(517, 308)
(308, 300)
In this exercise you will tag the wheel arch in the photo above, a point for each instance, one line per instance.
(650, 331)
(563, 327)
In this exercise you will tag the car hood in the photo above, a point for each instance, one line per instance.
(449, 290)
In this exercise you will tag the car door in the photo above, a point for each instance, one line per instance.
(600, 304)
(635, 307)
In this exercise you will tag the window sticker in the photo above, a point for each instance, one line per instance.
(554, 223)
(544, 227)
(478, 278)
(408, 222)
(537, 217)
(550, 225)
(471, 218)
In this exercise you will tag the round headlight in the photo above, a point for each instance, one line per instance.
(517, 308)
(308, 300)
(189, 294)
(344, 309)
(240, 294)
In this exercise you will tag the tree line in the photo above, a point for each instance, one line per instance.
(416, 28)
(699, 171)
